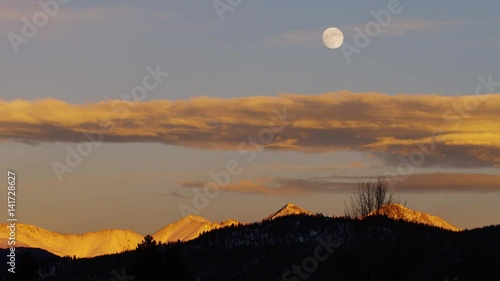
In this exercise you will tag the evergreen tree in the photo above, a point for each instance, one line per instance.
(175, 267)
(27, 269)
(148, 257)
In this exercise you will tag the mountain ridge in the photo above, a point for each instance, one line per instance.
(112, 241)
(400, 212)
(89, 244)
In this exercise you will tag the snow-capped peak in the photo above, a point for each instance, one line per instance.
(400, 212)
(189, 228)
(194, 218)
(288, 209)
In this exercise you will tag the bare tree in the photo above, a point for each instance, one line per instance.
(370, 197)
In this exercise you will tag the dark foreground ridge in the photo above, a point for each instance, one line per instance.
(293, 248)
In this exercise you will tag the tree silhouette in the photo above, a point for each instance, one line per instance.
(148, 244)
(27, 269)
(175, 266)
(147, 263)
(370, 197)
(157, 261)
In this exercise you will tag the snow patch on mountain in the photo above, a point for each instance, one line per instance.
(399, 212)
(104, 242)
(189, 228)
(288, 209)
(90, 244)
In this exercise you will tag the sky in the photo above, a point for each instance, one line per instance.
(130, 115)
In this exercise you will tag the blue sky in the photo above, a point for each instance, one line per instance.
(93, 52)
(83, 58)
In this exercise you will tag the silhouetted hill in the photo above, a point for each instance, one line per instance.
(114, 241)
(303, 247)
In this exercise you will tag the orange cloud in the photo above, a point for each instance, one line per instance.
(452, 182)
(437, 182)
(351, 165)
(457, 131)
(262, 185)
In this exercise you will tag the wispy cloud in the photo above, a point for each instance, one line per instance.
(415, 25)
(383, 124)
(397, 28)
(262, 185)
(407, 26)
(11, 15)
(296, 37)
(437, 182)
(351, 165)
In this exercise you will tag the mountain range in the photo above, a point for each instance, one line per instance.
(188, 228)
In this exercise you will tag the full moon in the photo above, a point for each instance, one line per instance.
(333, 38)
